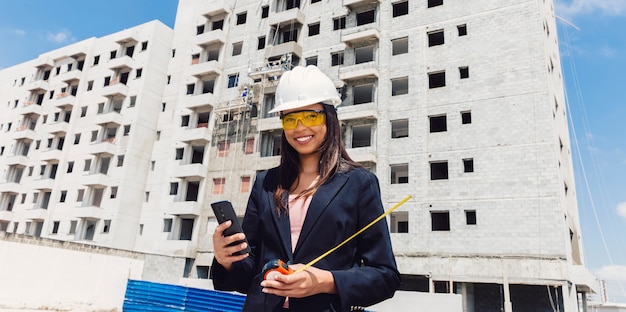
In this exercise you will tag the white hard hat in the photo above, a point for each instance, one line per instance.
(304, 86)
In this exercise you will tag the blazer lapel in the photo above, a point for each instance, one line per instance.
(320, 201)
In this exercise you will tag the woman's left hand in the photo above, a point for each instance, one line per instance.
(309, 282)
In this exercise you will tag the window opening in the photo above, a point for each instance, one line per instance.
(400, 46)
(434, 3)
(399, 86)
(440, 220)
(462, 29)
(361, 136)
(470, 217)
(438, 123)
(364, 18)
(339, 23)
(439, 170)
(241, 18)
(400, 8)
(463, 72)
(466, 117)
(399, 128)
(437, 80)
(314, 29)
(363, 94)
(468, 165)
(399, 173)
(435, 38)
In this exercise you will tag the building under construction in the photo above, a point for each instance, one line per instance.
(123, 141)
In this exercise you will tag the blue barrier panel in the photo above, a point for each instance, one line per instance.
(149, 296)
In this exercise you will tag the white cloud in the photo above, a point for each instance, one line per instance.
(60, 37)
(19, 32)
(571, 8)
(611, 272)
(621, 209)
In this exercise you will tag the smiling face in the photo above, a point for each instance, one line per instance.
(306, 140)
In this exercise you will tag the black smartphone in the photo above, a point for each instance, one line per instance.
(224, 211)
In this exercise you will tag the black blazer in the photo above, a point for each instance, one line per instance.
(364, 269)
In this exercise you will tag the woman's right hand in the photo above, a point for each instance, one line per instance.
(222, 252)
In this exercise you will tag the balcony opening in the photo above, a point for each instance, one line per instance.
(130, 50)
(45, 200)
(186, 229)
(436, 80)
(399, 86)
(90, 229)
(400, 8)
(435, 38)
(399, 173)
(219, 25)
(438, 123)
(193, 187)
(440, 220)
(208, 86)
(290, 4)
(399, 222)
(364, 54)
(104, 165)
(124, 78)
(361, 136)
(439, 170)
(60, 143)
(270, 143)
(366, 17)
(197, 154)
(400, 46)
(53, 171)
(363, 93)
(399, 128)
(203, 120)
(213, 52)
(96, 198)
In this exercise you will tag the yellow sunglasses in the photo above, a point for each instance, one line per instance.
(309, 118)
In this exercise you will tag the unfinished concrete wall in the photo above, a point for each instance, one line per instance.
(39, 273)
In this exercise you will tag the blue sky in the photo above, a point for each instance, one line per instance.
(593, 56)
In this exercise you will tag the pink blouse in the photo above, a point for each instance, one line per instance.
(298, 207)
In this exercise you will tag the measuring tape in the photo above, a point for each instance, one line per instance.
(279, 266)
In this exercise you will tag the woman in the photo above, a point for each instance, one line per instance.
(315, 199)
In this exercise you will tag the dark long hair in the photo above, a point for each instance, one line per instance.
(333, 159)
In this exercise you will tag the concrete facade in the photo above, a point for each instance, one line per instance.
(460, 105)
